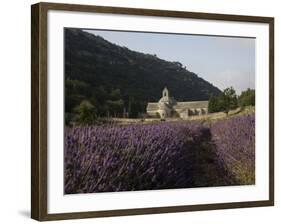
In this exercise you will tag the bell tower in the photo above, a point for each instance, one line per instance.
(165, 93)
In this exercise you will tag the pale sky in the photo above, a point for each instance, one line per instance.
(223, 61)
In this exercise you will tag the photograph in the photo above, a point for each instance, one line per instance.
(154, 111)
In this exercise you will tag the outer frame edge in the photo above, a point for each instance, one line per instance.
(38, 112)
(155, 12)
(35, 190)
(39, 109)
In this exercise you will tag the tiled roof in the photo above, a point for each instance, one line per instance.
(191, 104)
(152, 106)
(180, 105)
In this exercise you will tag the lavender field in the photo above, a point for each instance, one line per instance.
(165, 155)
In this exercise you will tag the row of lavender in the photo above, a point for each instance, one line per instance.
(134, 157)
(235, 147)
(157, 156)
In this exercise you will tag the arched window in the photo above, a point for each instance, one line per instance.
(165, 92)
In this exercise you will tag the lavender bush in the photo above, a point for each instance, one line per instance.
(235, 146)
(133, 157)
(158, 156)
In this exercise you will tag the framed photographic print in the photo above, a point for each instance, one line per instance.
(140, 111)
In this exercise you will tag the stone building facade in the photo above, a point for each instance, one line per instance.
(167, 106)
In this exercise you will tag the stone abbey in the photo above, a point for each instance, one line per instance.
(167, 106)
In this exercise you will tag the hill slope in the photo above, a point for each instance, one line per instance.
(100, 71)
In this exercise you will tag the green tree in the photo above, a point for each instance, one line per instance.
(225, 101)
(213, 105)
(134, 107)
(229, 100)
(115, 94)
(115, 107)
(247, 98)
(86, 113)
(75, 92)
(77, 87)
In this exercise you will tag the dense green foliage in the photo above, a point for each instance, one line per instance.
(118, 81)
(247, 98)
(86, 113)
(225, 101)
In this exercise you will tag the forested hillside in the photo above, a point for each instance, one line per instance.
(113, 78)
